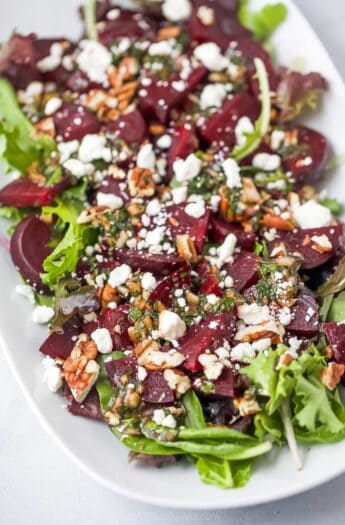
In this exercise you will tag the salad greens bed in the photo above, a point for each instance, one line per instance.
(165, 223)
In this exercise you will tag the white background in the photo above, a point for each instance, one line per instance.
(39, 485)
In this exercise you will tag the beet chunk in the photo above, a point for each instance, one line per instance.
(159, 264)
(156, 389)
(305, 321)
(185, 224)
(335, 333)
(308, 165)
(17, 60)
(24, 193)
(60, 345)
(219, 128)
(131, 128)
(78, 82)
(225, 385)
(184, 142)
(164, 291)
(89, 408)
(117, 322)
(209, 334)
(244, 270)
(29, 248)
(220, 229)
(299, 242)
(119, 367)
(74, 121)
(128, 24)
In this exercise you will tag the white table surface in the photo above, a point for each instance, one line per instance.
(40, 485)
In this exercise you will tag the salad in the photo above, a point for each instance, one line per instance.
(167, 227)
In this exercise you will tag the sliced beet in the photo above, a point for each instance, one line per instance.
(305, 321)
(335, 333)
(209, 334)
(225, 385)
(219, 128)
(299, 242)
(308, 165)
(17, 60)
(117, 322)
(220, 229)
(159, 264)
(113, 186)
(79, 82)
(29, 248)
(89, 408)
(164, 291)
(184, 142)
(156, 389)
(180, 223)
(42, 47)
(24, 193)
(129, 24)
(131, 128)
(60, 345)
(210, 285)
(74, 121)
(157, 99)
(224, 28)
(116, 368)
(244, 270)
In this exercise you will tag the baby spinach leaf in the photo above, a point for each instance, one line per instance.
(195, 416)
(336, 311)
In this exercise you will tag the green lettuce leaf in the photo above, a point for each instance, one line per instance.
(264, 22)
(222, 473)
(18, 146)
(90, 19)
(195, 416)
(336, 311)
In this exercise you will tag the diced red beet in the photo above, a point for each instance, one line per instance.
(209, 334)
(116, 368)
(185, 224)
(224, 28)
(219, 128)
(89, 327)
(299, 242)
(156, 389)
(335, 333)
(159, 264)
(128, 24)
(78, 82)
(164, 291)
(24, 193)
(159, 98)
(17, 60)
(308, 165)
(244, 270)
(131, 128)
(29, 248)
(89, 408)
(225, 385)
(113, 186)
(184, 142)
(210, 285)
(220, 228)
(117, 322)
(42, 47)
(60, 345)
(74, 121)
(305, 321)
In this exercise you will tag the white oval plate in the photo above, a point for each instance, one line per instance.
(90, 444)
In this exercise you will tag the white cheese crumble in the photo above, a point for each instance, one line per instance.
(322, 241)
(177, 381)
(93, 147)
(277, 138)
(119, 275)
(196, 209)
(253, 313)
(146, 157)
(171, 326)
(142, 374)
(153, 208)
(158, 416)
(211, 365)
(226, 250)
(164, 142)
(312, 215)
(94, 60)
(242, 352)
(42, 314)
(26, 291)
(102, 338)
(187, 169)
(210, 55)
(109, 200)
(52, 374)
(169, 421)
(162, 48)
(53, 104)
(243, 126)
(232, 173)
(179, 195)
(78, 168)
(212, 96)
(176, 10)
(148, 281)
(266, 161)
(66, 149)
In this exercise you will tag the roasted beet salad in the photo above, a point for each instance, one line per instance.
(166, 225)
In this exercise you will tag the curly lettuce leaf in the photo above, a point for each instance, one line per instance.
(222, 473)
(264, 22)
(18, 145)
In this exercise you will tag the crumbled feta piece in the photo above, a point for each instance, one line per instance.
(232, 173)
(162, 48)
(179, 195)
(103, 340)
(155, 237)
(212, 96)
(142, 374)
(253, 313)
(177, 380)
(277, 138)
(146, 157)
(148, 281)
(119, 275)
(242, 352)
(94, 60)
(93, 147)
(206, 15)
(214, 202)
(53, 104)
(109, 200)
(228, 281)
(285, 316)
(225, 251)
(211, 365)
(243, 126)
(26, 291)
(212, 299)
(176, 10)
(179, 85)
(187, 169)
(266, 161)
(210, 55)
(169, 421)
(171, 326)
(52, 374)
(164, 142)
(294, 346)
(322, 241)
(77, 168)
(158, 416)
(196, 209)
(66, 149)
(312, 215)
(262, 344)
(42, 314)
(153, 208)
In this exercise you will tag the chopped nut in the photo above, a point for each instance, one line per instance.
(284, 360)
(186, 248)
(140, 182)
(80, 368)
(206, 15)
(154, 359)
(247, 405)
(45, 126)
(267, 329)
(107, 295)
(331, 375)
(168, 32)
(177, 380)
